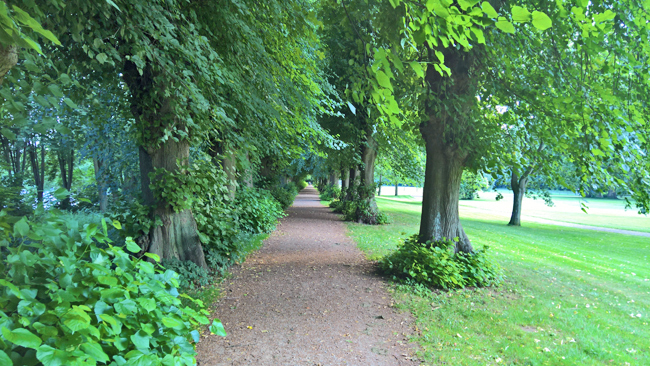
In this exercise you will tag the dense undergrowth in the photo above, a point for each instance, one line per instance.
(70, 297)
(356, 203)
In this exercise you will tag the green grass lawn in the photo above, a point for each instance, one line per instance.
(571, 297)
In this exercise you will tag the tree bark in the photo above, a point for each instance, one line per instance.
(396, 186)
(177, 238)
(230, 167)
(440, 219)
(38, 169)
(66, 166)
(8, 59)
(102, 187)
(518, 185)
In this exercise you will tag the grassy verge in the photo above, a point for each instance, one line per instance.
(572, 297)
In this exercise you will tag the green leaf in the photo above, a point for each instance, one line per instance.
(172, 322)
(117, 225)
(131, 246)
(489, 10)
(505, 26)
(95, 351)
(70, 103)
(520, 15)
(466, 4)
(153, 256)
(141, 340)
(51, 357)
(76, 319)
(101, 57)
(4, 359)
(352, 108)
(61, 194)
(21, 337)
(8, 133)
(21, 227)
(383, 80)
(417, 68)
(478, 33)
(217, 328)
(541, 21)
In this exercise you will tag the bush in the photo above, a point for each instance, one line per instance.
(257, 210)
(435, 264)
(285, 194)
(329, 193)
(191, 276)
(302, 185)
(67, 302)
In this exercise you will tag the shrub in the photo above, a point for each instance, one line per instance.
(258, 211)
(285, 194)
(330, 193)
(435, 264)
(66, 301)
(302, 184)
(191, 276)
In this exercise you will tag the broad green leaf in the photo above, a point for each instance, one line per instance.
(76, 319)
(21, 337)
(21, 227)
(541, 21)
(70, 103)
(172, 322)
(520, 15)
(478, 33)
(466, 4)
(489, 10)
(131, 246)
(383, 80)
(4, 359)
(117, 225)
(95, 351)
(217, 328)
(52, 357)
(141, 340)
(8, 133)
(147, 304)
(417, 68)
(153, 256)
(505, 26)
(61, 194)
(101, 57)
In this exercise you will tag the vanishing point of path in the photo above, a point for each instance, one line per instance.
(308, 297)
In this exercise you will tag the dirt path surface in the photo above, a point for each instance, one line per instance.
(308, 297)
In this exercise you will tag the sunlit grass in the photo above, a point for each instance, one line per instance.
(572, 297)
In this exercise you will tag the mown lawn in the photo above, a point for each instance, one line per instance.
(571, 296)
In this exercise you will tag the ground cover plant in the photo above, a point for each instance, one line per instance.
(570, 296)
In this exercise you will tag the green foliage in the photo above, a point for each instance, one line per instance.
(302, 184)
(191, 276)
(285, 194)
(66, 301)
(435, 264)
(329, 193)
(257, 210)
(134, 218)
(470, 184)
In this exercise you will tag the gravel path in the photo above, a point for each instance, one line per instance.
(308, 297)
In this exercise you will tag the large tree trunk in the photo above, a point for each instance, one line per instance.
(102, 186)
(449, 136)
(334, 178)
(367, 174)
(440, 219)
(518, 185)
(177, 238)
(345, 179)
(230, 167)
